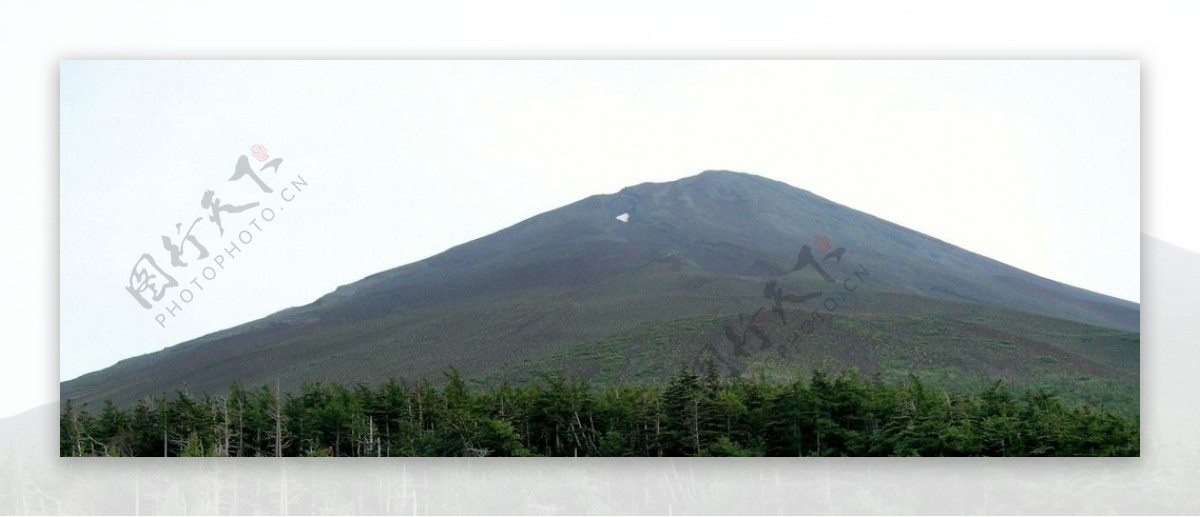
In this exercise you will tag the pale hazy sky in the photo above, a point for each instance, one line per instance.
(1035, 164)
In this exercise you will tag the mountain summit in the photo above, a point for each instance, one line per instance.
(623, 285)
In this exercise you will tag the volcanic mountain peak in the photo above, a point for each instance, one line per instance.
(679, 255)
(719, 185)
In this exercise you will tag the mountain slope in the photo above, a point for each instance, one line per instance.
(700, 247)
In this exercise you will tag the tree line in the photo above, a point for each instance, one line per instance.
(692, 414)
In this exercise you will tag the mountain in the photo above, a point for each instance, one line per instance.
(629, 285)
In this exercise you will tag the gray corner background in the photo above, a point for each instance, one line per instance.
(1164, 480)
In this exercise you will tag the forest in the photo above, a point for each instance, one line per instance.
(694, 413)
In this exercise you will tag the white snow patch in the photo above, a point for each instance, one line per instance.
(623, 217)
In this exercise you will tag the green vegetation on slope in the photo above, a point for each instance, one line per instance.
(690, 415)
(951, 345)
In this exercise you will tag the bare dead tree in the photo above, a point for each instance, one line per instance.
(225, 429)
(241, 430)
(276, 414)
